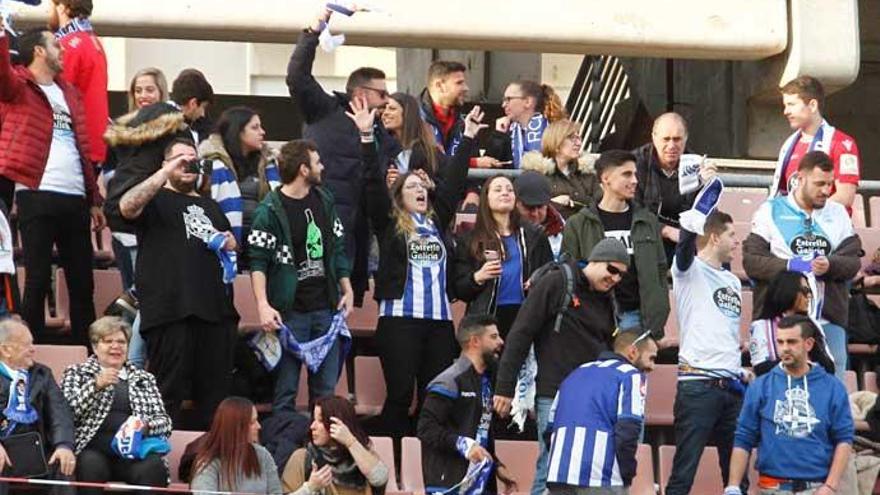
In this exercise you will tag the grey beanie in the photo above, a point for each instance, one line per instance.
(609, 249)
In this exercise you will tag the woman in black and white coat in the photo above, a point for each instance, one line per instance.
(103, 393)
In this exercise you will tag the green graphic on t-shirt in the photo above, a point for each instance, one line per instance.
(314, 240)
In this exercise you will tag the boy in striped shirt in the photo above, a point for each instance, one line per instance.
(597, 417)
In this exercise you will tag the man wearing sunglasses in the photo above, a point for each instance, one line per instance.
(808, 232)
(584, 332)
(338, 138)
(597, 416)
(711, 380)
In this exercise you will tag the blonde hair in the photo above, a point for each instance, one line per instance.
(161, 83)
(555, 134)
(403, 222)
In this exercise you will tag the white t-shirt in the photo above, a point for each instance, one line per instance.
(708, 326)
(63, 173)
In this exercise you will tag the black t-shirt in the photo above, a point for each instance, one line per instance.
(177, 275)
(119, 412)
(617, 226)
(671, 204)
(308, 225)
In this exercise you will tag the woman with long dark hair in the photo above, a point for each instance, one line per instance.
(229, 458)
(415, 335)
(787, 294)
(338, 457)
(243, 169)
(495, 259)
(402, 120)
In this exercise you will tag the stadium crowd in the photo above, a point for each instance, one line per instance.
(565, 271)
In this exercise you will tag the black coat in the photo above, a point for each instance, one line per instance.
(55, 424)
(453, 407)
(482, 299)
(338, 143)
(393, 259)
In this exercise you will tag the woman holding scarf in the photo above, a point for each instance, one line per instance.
(529, 108)
(338, 457)
(121, 424)
(415, 334)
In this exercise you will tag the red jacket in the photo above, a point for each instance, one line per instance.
(26, 127)
(85, 66)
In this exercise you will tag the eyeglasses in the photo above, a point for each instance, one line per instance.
(381, 92)
(807, 291)
(643, 336)
(111, 342)
(508, 99)
(575, 138)
(613, 270)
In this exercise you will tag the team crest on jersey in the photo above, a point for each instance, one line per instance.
(425, 251)
(198, 224)
(849, 164)
(809, 243)
(794, 416)
(728, 301)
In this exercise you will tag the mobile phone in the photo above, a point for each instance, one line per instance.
(490, 255)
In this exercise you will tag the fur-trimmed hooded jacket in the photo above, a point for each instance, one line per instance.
(91, 405)
(139, 139)
(581, 185)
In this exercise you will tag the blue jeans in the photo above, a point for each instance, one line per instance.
(542, 411)
(835, 337)
(125, 260)
(137, 348)
(704, 411)
(306, 327)
(629, 319)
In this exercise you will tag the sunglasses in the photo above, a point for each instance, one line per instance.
(643, 336)
(381, 92)
(613, 270)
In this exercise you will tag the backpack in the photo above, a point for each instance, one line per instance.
(565, 298)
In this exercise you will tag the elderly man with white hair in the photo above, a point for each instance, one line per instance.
(34, 415)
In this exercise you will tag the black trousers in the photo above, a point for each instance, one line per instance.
(192, 359)
(97, 467)
(411, 351)
(46, 219)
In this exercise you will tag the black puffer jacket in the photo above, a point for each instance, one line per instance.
(339, 144)
(483, 299)
(138, 141)
(453, 407)
(56, 421)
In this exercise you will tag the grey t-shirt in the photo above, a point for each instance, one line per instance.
(267, 482)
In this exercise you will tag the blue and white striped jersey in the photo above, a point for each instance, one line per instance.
(225, 191)
(424, 295)
(588, 405)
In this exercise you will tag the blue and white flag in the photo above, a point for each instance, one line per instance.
(313, 352)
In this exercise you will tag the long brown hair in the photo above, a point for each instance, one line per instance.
(333, 406)
(485, 234)
(414, 132)
(546, 100)
(229, 442)
(403, 222)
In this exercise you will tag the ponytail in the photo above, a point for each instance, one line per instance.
(553, 109)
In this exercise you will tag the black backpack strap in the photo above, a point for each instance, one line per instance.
(566, 297)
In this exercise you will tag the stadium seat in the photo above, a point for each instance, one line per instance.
(411, 477)
(870, 242)
(662, 383)
(519, 457)
(302, 391)
(179, 440)
(858, 211)
(245, 303)
(102, 245)
(59, 357)
(874, 210)
(369, 386)
(741, 204)
(362, 321)
(870, 381)
(708, 477)
(108, 286)
(851, 382)
(643, 483)
(385, 449)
